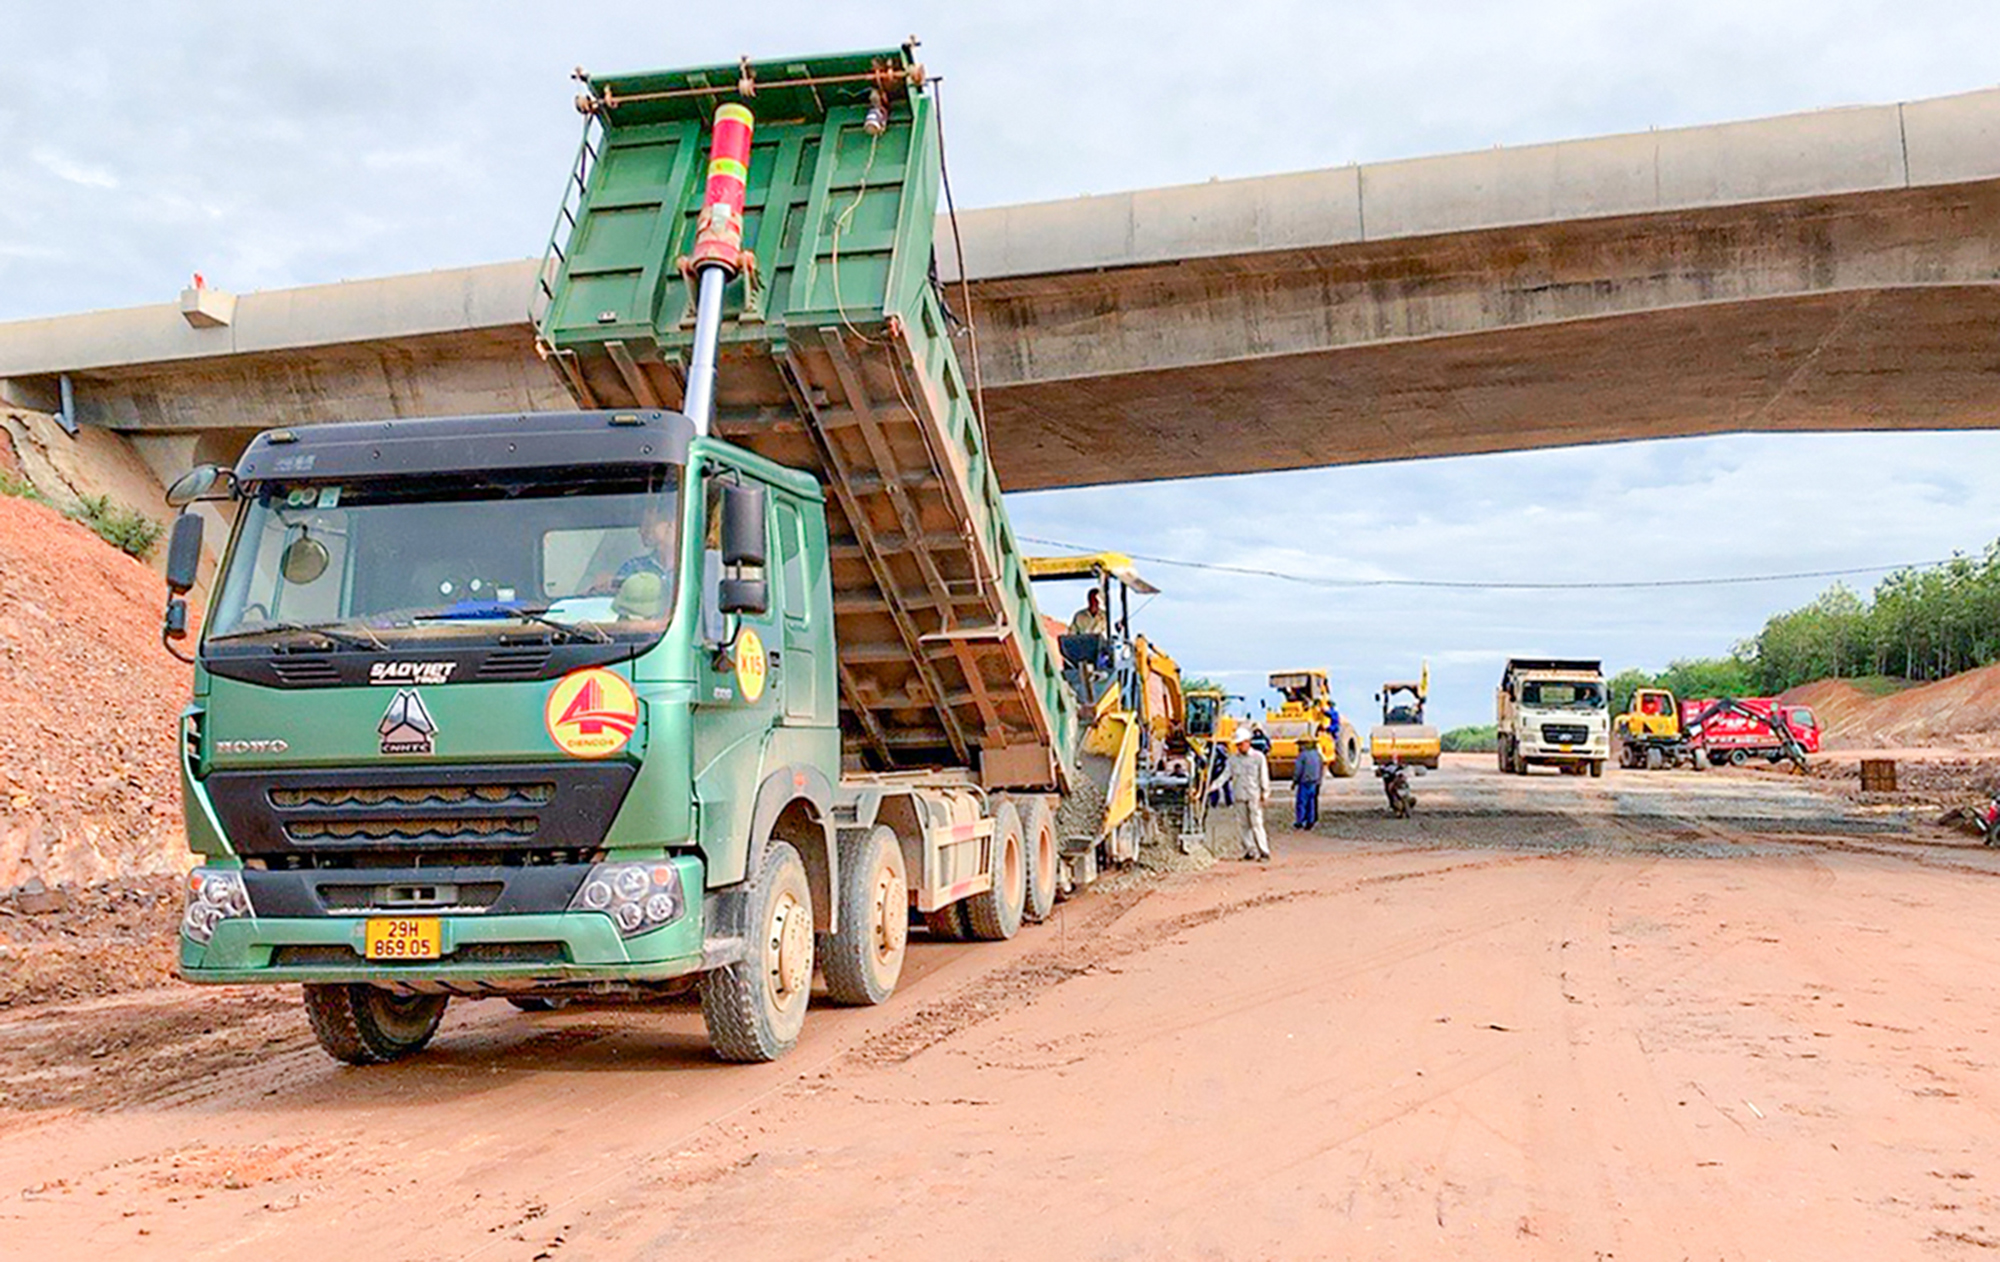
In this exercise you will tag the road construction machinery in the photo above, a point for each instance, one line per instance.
(1137, 747)
(1307, 712)
(1553, 712)
(1403, 736)
(716, 682)
(1660, 731)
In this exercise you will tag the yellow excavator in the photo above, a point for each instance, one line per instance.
(1308, 714)
(1402, 735)
(1138, 756)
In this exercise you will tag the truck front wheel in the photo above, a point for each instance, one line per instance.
(366, 1025)
(756, 1007)
(865, 958)
(995, 914)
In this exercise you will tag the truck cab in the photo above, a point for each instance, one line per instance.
(501, 701)
(1553, 712)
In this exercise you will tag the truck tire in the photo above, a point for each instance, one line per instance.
(1500, 751)
(865, 958)
(535, 1003)
(1738, 757)
(1597, 769)
(366, 1025)
(1655, 759)
(1038, 833)
(755, 1008)
(947, 923)
(994, 915)
(1698, 760)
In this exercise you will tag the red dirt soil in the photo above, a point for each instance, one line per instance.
(89, 705)
(1962, 712)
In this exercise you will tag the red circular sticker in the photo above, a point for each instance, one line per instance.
(591, 713)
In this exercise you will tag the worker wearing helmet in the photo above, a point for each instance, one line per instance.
(1250, 778)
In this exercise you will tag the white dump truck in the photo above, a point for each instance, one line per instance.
(1553, 712)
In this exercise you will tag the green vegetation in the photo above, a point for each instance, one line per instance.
(1919, 625)
(123, 528)
(1479, 739)
(1690, 677)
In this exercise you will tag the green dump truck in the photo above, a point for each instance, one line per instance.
(723, 679)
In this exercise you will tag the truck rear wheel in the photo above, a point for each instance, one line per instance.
(366, 1025)
(947, 923)
(1655, 760)
(1737, 757)
(865, 957)
(1038, 835)
(995, 914)
(755, 1008)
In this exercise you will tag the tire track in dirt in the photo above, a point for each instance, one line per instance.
(1098, 945)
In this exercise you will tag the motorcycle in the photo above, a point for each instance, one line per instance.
(1396, 783)
(1989, 819)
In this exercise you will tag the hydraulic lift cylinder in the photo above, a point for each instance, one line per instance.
(718, 252)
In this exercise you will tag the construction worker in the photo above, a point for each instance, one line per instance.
(1307, 770)
(1089, 620)
(1250, 779)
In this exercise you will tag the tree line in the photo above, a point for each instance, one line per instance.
(1919, 625)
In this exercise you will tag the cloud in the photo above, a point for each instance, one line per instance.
(272, 145)
(74, 172)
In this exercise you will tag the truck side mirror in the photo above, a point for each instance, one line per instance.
(745, 595)
(743, 541)
(184, 553)
(193, 485)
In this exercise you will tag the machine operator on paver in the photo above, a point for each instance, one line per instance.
(1136, 743)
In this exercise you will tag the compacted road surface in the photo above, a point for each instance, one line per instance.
(1643, 1017)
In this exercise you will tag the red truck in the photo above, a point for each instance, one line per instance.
(1736, 737)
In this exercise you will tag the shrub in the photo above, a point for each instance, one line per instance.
(126, 529)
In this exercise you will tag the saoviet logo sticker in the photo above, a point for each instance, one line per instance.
(752, 667)
(591, 713)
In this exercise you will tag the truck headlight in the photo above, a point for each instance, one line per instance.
(637, 896)
(213, 896)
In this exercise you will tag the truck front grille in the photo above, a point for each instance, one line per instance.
(327, 797)
(533, 814)
(1564, 734)
(494, 830)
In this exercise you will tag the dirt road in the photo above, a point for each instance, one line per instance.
(1546, 1018)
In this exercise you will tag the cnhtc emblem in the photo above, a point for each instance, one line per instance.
(406, 727)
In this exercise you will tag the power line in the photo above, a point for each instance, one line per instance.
(1311, 580)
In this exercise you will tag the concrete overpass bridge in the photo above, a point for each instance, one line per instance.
(1837, 270)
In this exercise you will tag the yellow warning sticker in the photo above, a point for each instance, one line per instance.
(751, 665)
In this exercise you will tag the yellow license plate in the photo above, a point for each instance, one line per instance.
(404, 938)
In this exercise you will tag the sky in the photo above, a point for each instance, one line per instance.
(271, 145)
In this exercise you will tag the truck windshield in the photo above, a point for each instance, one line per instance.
(419, 560)
(1549, 694)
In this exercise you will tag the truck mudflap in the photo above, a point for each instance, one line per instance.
(475, 952)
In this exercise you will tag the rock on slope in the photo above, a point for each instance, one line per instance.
(89, 708)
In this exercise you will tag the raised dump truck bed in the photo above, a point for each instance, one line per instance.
(835, 358)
